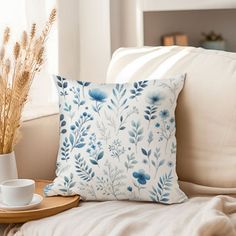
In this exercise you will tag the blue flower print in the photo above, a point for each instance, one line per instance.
(153, 102)
(95, 150)
(99, 97)
(155, 99)
(141, 177)
(164, 114)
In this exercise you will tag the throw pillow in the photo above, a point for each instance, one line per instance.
(118, 141)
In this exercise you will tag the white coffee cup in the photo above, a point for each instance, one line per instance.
(17, 192)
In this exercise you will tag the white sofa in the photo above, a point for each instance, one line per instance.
(206, 152)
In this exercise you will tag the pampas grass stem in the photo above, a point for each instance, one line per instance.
(16, 76)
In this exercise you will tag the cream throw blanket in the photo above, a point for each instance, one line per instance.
(198, 216)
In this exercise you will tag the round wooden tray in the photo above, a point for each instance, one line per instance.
(48, 207)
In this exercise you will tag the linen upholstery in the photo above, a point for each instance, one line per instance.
(206, 111)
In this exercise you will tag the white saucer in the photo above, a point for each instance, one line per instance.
(37, 199)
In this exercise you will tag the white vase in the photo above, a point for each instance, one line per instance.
(8, 169)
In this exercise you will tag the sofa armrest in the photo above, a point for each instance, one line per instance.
(36, 152)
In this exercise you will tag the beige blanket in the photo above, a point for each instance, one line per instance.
(199, 216)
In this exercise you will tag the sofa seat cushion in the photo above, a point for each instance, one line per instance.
(198, 216)
(206, 111)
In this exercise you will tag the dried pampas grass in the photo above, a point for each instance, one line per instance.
(16, 76)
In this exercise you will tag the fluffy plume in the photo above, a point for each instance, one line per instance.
(24, 40)
(6, 35)
(33, 31)
(16, 50)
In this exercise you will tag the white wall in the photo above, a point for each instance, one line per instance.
(115, 19)
(124, 25)
(68, 29)
(84, 39)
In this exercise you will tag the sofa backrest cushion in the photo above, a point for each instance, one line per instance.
(206, 111)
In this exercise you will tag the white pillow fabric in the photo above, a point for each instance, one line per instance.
(118, 141)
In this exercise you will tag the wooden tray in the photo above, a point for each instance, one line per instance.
(48, 207)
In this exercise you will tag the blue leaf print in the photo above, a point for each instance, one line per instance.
(62, 84)
(79, 130)
(99, 97)
(130, 163)
(83, 84)
(83, 170)
(62, 124)
(68, 184)
(77, 100)
(149, 113)
(150, 137)
(161, 192)
(136, 133)
(153, 100)
(48, 189)
(65, 154)
(123, 118)
(147, 154)
(95, 150)
(119, 104)
(138, 88)
(68, 109)
(157, 162)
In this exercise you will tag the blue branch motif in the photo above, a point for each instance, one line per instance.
(166, 128)
(77, 100)
(131, 161)
(62, 84)
(136, 133)
(68, 109)
(156, 161)
(82, 168)
(111, 181)
(67, 185)
(161, 192)
(138, 88)
(147, 154)
(65, 154)
(116, 149)
(62, 124)
(79, 130)
(83, 84)
(154, 101)
(119, 104)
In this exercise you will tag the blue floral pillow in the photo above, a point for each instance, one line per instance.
(118, 141)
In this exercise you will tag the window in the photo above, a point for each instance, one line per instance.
(19, 15)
